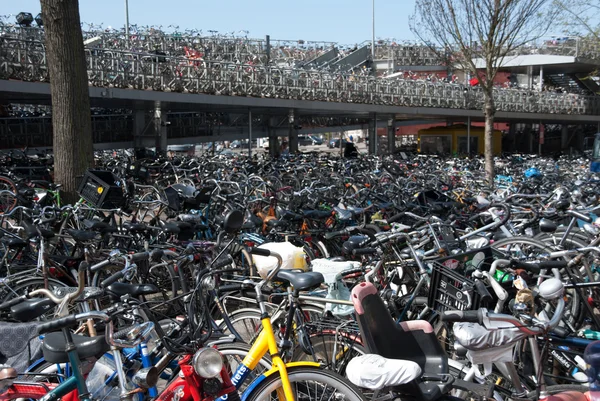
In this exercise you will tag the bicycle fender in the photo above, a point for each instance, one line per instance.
(268, 373)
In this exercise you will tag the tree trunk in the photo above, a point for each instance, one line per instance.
(489, 112)
(71, 119)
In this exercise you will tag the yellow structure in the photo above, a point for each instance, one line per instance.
(453, 139)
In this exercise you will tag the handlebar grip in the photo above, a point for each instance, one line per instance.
(530, 267)
(99, 266)
(260, 252)
(470, 316)
(115, 277)
(334, 234)
(12, 302)
(230, 288)
(364, 251)
(226, 261)
(581, 216)
(553, 264)
(538, 266)
(84, 266)
(57, 324)
(484, 294)
(136, 257)
(395, 218)
(560, 332)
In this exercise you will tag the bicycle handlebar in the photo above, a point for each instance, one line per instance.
(70, 320)
(83, 267)
(484, 317)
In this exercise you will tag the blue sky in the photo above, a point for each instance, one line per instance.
(343, 21)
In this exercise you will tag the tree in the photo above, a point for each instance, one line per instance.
(479, 35)
(71, 118)
(579, 17)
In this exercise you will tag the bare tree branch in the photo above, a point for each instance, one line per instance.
(481, 34)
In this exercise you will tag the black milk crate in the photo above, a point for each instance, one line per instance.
(102, 189)
(465, 263)
(451, 291)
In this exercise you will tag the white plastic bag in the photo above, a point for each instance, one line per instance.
(293, 258)
(336, 288)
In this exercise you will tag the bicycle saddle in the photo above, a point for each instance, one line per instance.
(547, 226)
(31, 309)
(32, 231)
(301, 281)
(117, 290)
(82, 235)
(376, 372)
(289, 215)
(316, 214)
(277, 223)
(14, 242)
(54, 347)
(99, 226)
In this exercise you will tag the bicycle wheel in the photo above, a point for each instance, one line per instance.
(522, 248)
(308, 383)
(333, 351)
(8, 200)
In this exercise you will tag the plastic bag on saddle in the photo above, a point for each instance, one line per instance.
(486, 347)
(336, 288)
(293, 258)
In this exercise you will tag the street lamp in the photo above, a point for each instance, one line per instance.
(373, 37)
(127, 20)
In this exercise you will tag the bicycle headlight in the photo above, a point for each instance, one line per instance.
(207, 362)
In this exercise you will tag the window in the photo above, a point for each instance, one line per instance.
(462, 145)
(436, 144)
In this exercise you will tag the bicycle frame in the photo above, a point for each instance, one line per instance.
(265, 342)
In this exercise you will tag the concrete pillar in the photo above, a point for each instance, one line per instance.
(293, 134)
(391, 136)
(160, 128)
(529, 77)
(373, 135)
(250, 133)
(273, 140)
(564, 137)
(139, 125)
(293, 140)
(512, 135)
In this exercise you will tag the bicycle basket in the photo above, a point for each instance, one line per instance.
(466, 262)
(451, 291)
(101, 189)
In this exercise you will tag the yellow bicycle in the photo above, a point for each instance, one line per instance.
(294, 380)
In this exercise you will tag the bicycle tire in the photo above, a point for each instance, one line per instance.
(7, 202)
(299, 374)
(323, 345)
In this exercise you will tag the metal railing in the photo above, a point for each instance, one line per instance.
(24, 60)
